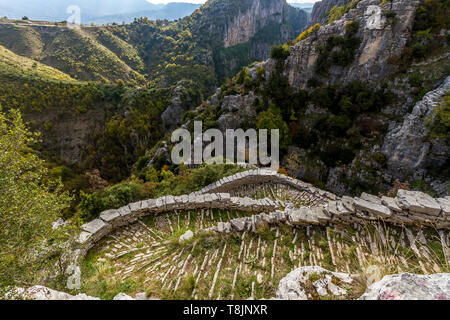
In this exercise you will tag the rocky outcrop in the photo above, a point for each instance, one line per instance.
(237, 110)
(378, 43)
(408, 286)
(237, 21)
(188, 235)
(321, 9)
(183, 97)
(67, 134)
(313, 283)
(243, 31)
(408, 150)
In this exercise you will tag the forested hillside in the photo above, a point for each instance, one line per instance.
(102, 97)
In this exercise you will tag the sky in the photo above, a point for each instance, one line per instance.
(203, 1)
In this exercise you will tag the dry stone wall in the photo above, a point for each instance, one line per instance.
(260, 176)
(407, 208)
(112, 219)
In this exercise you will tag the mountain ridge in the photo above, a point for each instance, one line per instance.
(97, 11)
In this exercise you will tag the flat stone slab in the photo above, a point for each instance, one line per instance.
(136, 206)
(94, 226)
(84, 237)
(445, 205)
(238, 224)
(370, 198)
(372, 208)
(319, 213)
(390, 203)
(418, 201)
(109, 216)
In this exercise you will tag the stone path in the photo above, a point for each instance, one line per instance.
(243, 242)
(239, 265)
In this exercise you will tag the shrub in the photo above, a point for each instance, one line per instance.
(415, 80)
(260, 74)
(344, 55)
(114, 197)
(280, 52)
(439, 123)
(30, 200)
(337, 12)
(272, 119)
(305, 34)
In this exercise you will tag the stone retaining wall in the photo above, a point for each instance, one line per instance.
(262, 176)
(408, 208)
(112, 219)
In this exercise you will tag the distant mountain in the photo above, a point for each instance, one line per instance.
(307, 6)
(171, 11)
(97, 11)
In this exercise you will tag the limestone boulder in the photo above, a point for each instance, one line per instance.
(188, 235)
(408, 286)
(312, 283)
(418, 201)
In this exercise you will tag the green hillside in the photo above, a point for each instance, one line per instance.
(77, 54)
(124, 51)
(12, 64)
(23, 40)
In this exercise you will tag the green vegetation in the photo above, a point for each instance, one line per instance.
(29, 203)
(439, 123)
(347, 48)
(124, 51)
(149, 183)
(280, 52)
(78, 55)
(22, 40)
(12, 64)
(337, 13)
(431, 17)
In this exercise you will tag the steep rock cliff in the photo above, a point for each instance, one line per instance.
(378, 43)
(409, 151)
(243, 31)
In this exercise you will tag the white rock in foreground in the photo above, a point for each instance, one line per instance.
(123, 296)
(44, 293)
(187, 236)
(407, 286)
(312, 282)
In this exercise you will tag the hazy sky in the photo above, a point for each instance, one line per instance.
(202, 1)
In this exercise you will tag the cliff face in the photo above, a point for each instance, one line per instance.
(378, 43)
(321, 9)
(243, 31)
(247, 23)
(410, 152)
